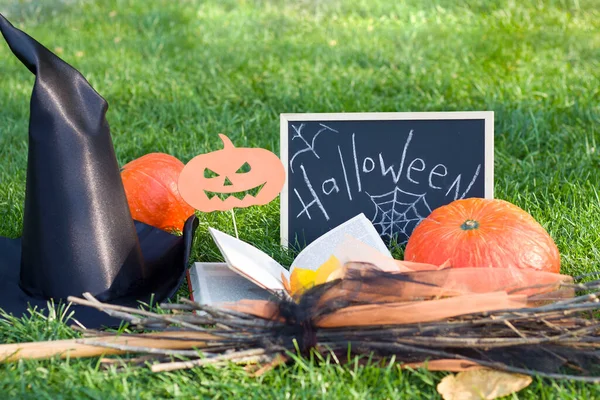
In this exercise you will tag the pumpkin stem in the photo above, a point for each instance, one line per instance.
(469, 224)
(226, 141)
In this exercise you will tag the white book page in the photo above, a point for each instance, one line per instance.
(319, 251)
(215, 284)
(250, 262)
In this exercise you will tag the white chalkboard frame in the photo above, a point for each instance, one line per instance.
(487, 116)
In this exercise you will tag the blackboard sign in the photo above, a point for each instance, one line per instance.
(393, 167)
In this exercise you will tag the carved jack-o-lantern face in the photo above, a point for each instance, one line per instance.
(231, 177)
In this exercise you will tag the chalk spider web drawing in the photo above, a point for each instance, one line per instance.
(398, 212)
(308, 146)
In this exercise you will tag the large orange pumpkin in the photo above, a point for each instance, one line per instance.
(151, 187)
(478, 232)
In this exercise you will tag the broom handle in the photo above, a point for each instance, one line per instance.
(73, 349)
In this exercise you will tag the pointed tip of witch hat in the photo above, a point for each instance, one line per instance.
(49, 67)
(16, 40)
(78, 233)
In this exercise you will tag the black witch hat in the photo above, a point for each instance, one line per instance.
(78, 233)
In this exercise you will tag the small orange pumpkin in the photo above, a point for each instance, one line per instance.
(478, 232)
(231, 177)
(151, 188)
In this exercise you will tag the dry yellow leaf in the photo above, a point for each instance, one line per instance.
(326, 269)
(286, 284)
(481, 384)
(337, 274)
(300, 280)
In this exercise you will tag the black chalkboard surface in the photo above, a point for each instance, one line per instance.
(393, 167)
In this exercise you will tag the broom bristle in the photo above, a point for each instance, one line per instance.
(545, 328)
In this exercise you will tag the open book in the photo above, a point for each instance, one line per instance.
(249, 273)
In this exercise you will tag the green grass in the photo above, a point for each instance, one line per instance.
(177, 73)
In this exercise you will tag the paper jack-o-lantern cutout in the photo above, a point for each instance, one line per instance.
(231, 177)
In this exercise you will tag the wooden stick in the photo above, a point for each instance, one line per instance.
(127, 310)
(240, 355)
(76, 348)
(234, 224)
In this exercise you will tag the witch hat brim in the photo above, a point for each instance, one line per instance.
(163, 252)
(78, 233)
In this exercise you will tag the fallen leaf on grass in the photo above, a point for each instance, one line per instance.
(481, 384)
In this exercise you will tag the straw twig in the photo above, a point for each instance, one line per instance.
(244, 356)
(142, 349)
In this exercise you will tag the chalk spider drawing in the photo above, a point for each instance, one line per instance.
(309, 146)
(398, 212)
